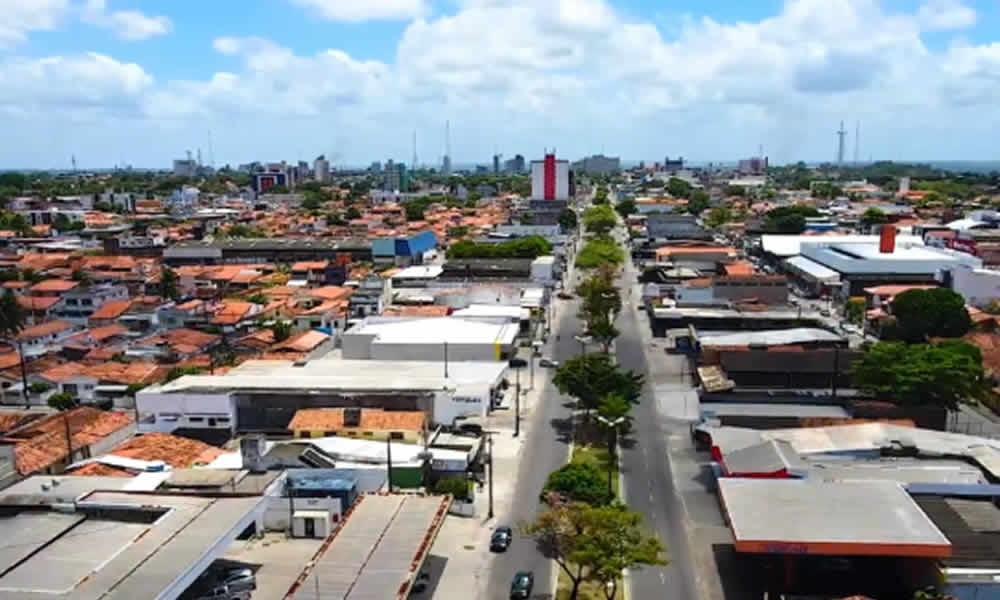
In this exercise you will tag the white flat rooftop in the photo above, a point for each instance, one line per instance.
(777, 337)
(420, 272)
(790, 245)
(336, 374)
(436, 330)
(785, 516)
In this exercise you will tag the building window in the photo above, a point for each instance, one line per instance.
(369, 434)
(196, 419)
(396, 435)
(329, 434)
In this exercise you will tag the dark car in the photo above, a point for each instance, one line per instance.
(501, 539)
(521, 587)
(564, 296)
(420, 583)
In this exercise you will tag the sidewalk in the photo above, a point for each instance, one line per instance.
(464, 542)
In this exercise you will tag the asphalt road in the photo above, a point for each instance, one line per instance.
(545, 450)
(646, 470)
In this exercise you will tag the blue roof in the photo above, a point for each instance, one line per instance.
(413, 245)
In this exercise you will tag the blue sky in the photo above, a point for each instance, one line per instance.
(140, 82)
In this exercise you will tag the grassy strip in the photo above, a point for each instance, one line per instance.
(597, 456)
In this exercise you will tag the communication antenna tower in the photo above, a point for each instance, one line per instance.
(841, 136)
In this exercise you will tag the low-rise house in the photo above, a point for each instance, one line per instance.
(46, 337)
(142, 314)
(364, 423)
(49, 444)
(81, 302)
(371, 296)
(174, 451)
(232, 315)
(109, 337)
(109, 313)
(175, 344)
(311, 272)
(38, 309)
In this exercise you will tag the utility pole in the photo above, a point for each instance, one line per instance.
(24, 374)
(446, 360)
(388, 456)
(517, 403)
(489, 441)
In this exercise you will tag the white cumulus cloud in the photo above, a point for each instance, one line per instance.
(128, 25)
(360, 10)
(20, 17)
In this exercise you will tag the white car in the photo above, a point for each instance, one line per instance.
(548, 362)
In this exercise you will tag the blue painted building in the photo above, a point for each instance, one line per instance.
(404, 251)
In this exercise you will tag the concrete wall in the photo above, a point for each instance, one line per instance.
(978, 287)
(277, 514)
(357, 346)
(768, 291)
(160, 412)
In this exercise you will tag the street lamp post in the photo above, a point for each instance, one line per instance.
(612, 426)
(489, 441)
(584, 340)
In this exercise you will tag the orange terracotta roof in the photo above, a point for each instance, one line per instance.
(246, 276)
(9, 359)
(10, 420)
(232, 312)
(47, 328)
(54, 285)
(417, 311)
(100, 470)
(65, 371)
(183, 340)
(129, 373)
(111, 310)
(895, 290)
(304, 341)
(99, 334)
(176, 451)
(38, 302)
(311, 265)
(330, 292)
(331, 419)
(43, 442)
(739, 268)
(16, 285)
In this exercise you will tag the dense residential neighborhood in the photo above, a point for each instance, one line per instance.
(283, 381)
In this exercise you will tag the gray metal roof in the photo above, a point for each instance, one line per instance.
(24, 534)
(768, 457)
(722, 409)
(376, 551)
(775, 337)
(827, 517)
(87, 558)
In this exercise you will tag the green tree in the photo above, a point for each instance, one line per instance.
(698, 202)
(614, 541)
(178, 372)
(169, 284)
(614, 406)
(258, 299)
(590, 377)
(855, 310)
(527, 247)
(567, 219)
(312, 202)
(923, 314)
(600, 252)
(874, 216)
(11, 315)
(719, 216)
(456, 486)
(62, 401)
(282, 330)
(600, 299)
(81, 276)
(61, 222)
(593, 543)
(678, 188)
(599, 219)
(626, 207)
(352, 213)
(942, 374)
(459, 231)
(736, 190)
(578, 482)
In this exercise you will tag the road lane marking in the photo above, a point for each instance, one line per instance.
(663, 580)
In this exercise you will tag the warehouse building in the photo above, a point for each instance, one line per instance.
(262, 395)
(430, 339)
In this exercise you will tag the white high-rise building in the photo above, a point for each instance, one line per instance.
(321, 169)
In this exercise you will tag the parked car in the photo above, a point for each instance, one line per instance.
(219, 592)
(548, 362)
(564, 296)
(239, 580)
(522, 585)
(501, 539)
(420, 583)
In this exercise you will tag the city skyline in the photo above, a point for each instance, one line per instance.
(128, 82)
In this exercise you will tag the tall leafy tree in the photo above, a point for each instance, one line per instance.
(169, 284)
(698, 202)
(942, 374)
(600, 219)
(11, 315)
(594, 543)
(567, 219)
(614, 541)
(591, 377)
(923, 314)
(282, 330)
